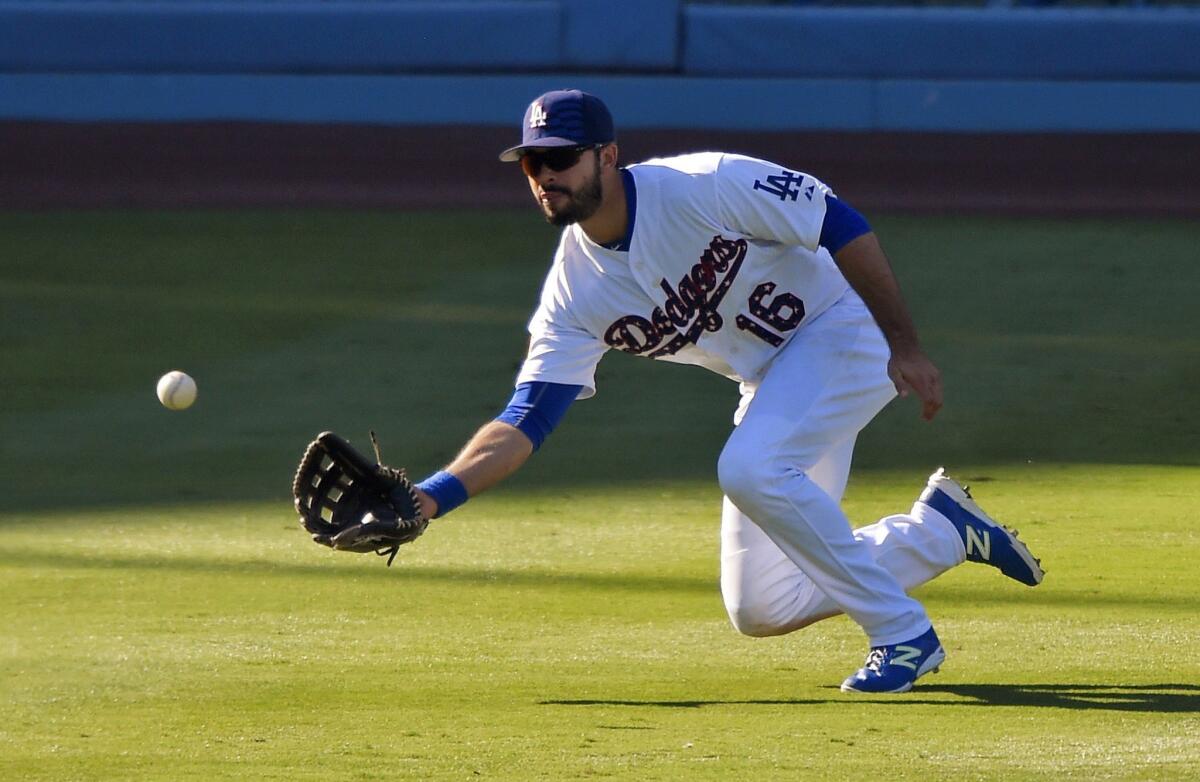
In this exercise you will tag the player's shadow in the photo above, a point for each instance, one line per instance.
(1157, 698)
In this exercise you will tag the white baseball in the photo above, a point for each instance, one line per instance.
(176, 390)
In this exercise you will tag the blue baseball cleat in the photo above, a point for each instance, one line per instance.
(985, 540)
(893, 669)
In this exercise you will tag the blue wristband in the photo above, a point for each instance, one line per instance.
(446, 490)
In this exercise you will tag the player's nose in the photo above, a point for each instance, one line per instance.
(547, 185)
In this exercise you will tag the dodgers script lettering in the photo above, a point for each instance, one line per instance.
(690, 307)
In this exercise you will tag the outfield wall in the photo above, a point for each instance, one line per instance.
(404, 103)
(662, 64)
(636, 101)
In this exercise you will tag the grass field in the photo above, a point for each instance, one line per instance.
(164, 617)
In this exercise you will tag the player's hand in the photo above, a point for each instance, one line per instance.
(912, 371)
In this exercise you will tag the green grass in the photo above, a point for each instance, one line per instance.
(164, 618)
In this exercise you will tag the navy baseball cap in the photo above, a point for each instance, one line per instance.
(563, 118)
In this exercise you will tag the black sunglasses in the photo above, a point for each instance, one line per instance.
(555, 159)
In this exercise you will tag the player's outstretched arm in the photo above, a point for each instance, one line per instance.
(868, 271)
(495, 452)
(499, 448)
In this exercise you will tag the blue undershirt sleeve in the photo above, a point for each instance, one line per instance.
(842, 225)
(536, 408)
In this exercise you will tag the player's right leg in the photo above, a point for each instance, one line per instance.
(822, 389)
(765, 593)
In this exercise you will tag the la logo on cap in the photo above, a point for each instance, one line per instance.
(537, 115)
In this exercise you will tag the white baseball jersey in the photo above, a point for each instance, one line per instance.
(723, 267)
(723, 270)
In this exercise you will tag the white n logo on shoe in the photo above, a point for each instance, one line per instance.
(905, 656)
(983, 545)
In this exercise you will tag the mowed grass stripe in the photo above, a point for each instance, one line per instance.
(503, 663)
(165, 618)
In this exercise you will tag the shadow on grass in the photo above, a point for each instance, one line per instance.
(1157, 698)
(341, 567)
(368, 567)
(1130, 697)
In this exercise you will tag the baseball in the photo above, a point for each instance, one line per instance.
(176, 390)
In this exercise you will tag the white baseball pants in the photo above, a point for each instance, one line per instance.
(788, 555)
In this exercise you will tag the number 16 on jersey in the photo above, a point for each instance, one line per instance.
(771, 319)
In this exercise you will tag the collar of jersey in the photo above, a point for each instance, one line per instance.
(630, 213)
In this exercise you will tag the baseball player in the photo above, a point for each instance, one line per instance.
(761, 274)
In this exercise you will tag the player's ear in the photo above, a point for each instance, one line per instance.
(609, 155)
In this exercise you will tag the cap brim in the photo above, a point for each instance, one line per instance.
(513, 154)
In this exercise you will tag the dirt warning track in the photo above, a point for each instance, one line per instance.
(47, 165)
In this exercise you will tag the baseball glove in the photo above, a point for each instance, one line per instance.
(349, 503)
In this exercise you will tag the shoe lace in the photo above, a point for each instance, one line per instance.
(875, 659)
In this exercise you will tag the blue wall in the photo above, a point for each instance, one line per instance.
(946, 43)
(659, 64)
(257, 37)
(637, 101)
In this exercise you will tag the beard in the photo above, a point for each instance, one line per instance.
(581, 205)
